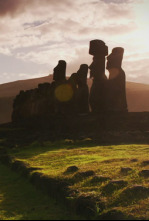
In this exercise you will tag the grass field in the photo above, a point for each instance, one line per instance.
(111, 173)
(20, 201)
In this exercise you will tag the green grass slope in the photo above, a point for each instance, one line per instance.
(113, 174)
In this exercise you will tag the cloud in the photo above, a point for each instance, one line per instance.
(117, 1)
(41, 34)
(12, 7)
(5, 51)
(120, 29)
(15, 7)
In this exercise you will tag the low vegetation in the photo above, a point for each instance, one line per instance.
(114, 175)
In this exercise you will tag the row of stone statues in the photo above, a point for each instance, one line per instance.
(107, 94)
(71, 96)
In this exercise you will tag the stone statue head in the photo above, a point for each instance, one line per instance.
(83, 70)
(114, 60)
(97, 67)
(60, 71)
(82, 73)
(98, 48)
(73, 78)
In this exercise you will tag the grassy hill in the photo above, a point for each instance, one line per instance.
(103, 181)
(137, 95)
(102, 175)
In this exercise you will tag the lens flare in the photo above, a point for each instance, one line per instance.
(64, 93)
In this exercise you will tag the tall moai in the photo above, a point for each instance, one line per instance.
(83, 90)
(59, 77)
(73, 83)
(62, 90)
(43, 105)
(117, 101)
(18, 103)
(59, 72)
(23, 105)
(98, 95)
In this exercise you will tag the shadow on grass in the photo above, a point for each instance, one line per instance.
(37, 148)
(30, 142)
(20, 201)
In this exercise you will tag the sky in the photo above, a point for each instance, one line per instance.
(35, 34)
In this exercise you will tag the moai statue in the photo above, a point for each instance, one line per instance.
(72, 83)
(59, 74)
(117, 101)
(83, 90)
(73, 80)
(62, 92)
(42, 102)
(22, 106)
(97, 71)
(17, 104)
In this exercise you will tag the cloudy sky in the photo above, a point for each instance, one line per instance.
(35, 34)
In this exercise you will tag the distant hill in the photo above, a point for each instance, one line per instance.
(137, 95)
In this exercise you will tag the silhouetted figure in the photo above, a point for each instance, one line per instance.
(73, 83)
(117, 82)
(43, 104)
(97, 71)
(62, 90)
(59, 72)
(83, 90)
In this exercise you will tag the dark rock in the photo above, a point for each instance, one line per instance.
(18, 165)
(125, 170)
(145, 163)
(113, 186)
(52, 187)
(134, 160)
(115, 215)
(21, 167)
(72, 169)
(85, 174)
(132, 194)
(118, 182)
(32, 169)
(87, 206)
(100, 179)
(144, 173)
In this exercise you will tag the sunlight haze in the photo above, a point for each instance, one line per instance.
(35, 34)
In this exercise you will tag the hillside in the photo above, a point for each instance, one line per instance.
(137, 95)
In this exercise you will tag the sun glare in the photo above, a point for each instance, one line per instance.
(142, 19)
(64, 93)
